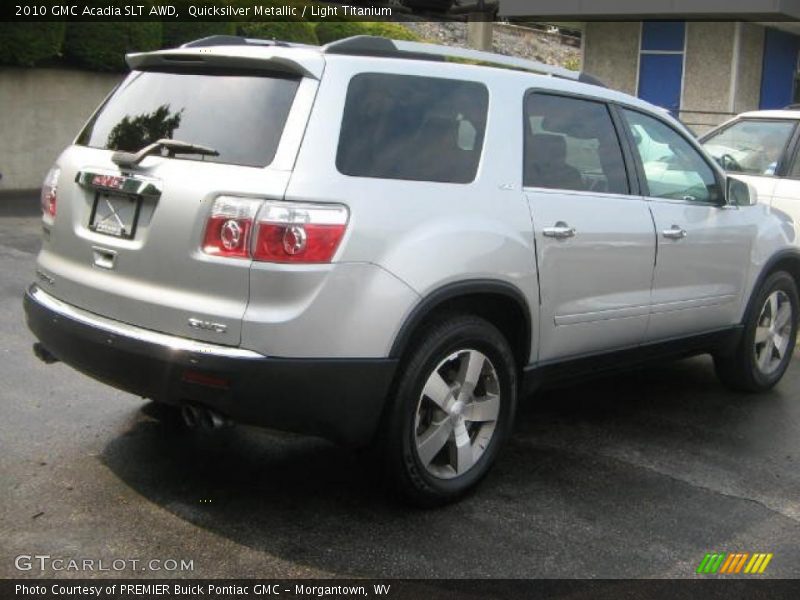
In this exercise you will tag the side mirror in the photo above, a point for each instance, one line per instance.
(740, 193)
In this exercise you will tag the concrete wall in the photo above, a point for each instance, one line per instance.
(708, 64)
(611, 53)
(722, 74)
(41, 112)
(751, 60)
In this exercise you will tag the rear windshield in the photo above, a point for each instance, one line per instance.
(240, 116)
(414, 128)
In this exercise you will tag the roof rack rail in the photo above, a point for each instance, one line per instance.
(367, 45)
(235, 40)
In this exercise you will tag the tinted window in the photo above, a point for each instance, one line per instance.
(407, 127)
(673, 168)
(572, 144)
(750, 146)
(240, 116)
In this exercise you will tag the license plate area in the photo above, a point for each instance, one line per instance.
(115, 214)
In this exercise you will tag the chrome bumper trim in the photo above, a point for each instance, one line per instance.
(136, 333)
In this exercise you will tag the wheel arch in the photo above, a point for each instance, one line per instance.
(786, 260)
(499, 302)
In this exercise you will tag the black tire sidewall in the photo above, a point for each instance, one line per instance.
(457, 333)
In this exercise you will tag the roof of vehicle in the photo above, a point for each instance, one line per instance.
(222, 51)
(771, 114)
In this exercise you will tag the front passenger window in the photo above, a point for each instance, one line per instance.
(673, 168)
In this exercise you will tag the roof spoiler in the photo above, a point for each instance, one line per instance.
(191, 55)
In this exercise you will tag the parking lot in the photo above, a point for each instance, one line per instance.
(636, 475)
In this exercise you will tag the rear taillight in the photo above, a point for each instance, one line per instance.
(284, 232)
(299, 233)
(229, 227)
(49, 191)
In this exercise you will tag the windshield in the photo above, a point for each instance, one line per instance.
(753, 146)
(239, 115)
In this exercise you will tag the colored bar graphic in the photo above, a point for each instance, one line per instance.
(732, 563)
(754, 563)
(711, 562)
(765, 563)
(741, 562)
(731, 560)
(703, 564)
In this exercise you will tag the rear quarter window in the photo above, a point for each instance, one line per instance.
(241, 116)
(412, 128)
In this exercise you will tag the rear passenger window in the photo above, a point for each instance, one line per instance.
(571, 144)
(415, 128)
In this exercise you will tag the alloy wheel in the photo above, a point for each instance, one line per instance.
(457, 413)
(773, 332)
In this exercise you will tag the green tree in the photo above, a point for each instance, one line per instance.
(329, 31)
(132, 134)
(102, 46)
(28, 44)
(176, 33)
(301, 32)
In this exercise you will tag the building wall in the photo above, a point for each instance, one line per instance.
(751, 58)
(722, 70)
(708, 72)
(611, 53)
(41, 112)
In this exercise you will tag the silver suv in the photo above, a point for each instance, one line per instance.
(370, 243)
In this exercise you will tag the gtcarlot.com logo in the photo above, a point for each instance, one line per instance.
(45, 562)
(734, 563)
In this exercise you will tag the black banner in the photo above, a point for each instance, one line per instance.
(239, 10)
(395, 589)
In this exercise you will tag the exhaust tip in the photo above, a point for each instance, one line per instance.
(190, 416)
(43, 354)
(211, 419)
(199, 417)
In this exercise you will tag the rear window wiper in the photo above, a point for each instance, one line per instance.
(173, 148)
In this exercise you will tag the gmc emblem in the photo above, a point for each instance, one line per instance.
(108, 181)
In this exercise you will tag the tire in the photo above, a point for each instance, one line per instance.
(428, 410)
(770, 330)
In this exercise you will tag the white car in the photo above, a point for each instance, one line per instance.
(761, 148)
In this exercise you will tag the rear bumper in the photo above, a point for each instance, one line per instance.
(340, 399)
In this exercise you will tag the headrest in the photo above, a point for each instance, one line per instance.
(440, 128)
(548, 148)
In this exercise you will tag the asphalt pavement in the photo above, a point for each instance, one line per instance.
(636, 475)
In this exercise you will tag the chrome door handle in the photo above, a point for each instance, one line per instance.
(560, 231)
(676, 233)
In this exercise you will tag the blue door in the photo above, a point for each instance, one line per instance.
(660, 80)
(780, 66)
(661, 63)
